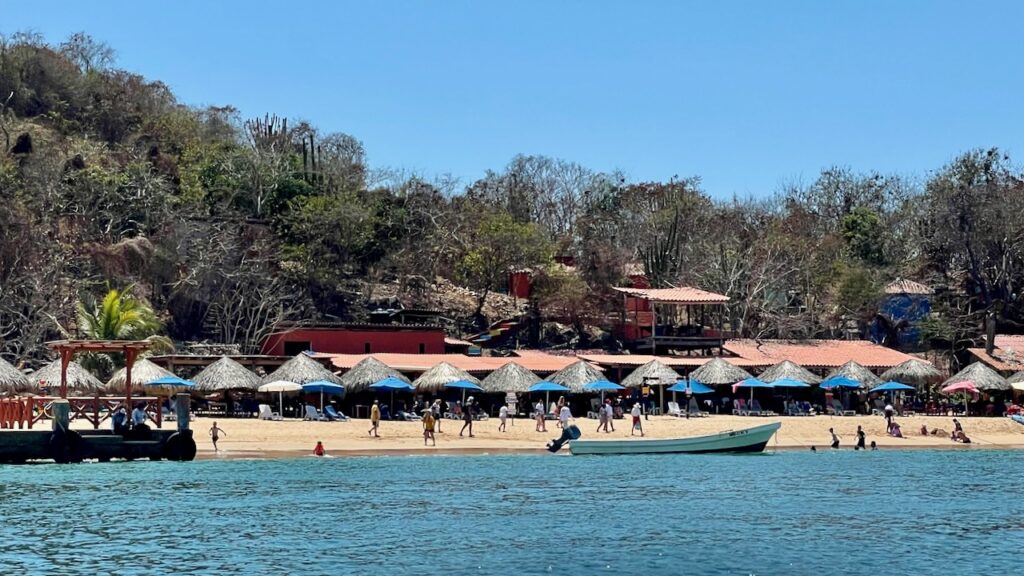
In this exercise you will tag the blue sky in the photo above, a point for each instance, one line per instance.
(747, 95)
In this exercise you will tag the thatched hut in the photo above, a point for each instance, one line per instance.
(983, 378)
(12, 381)
(225, 374)
(857, 373)
(509, 378)
(576, 375)
(790, 370)
(653, 369)
(368, 371)
(1017, 378)
(435, 379)
(719, 372)
(80, 381)
(914, 372)
(142, 371)
(302, 370)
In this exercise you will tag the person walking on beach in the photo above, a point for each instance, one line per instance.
(428, 427)
(835, 439)
(502, 415)
(602, 419)
(467, 417)
(215, 434)
(436, 412)
(861, 437)
(637, 425)
(318, 450)
(611, 413)
(374, 419)
(564, 414)
(888, 417)
(539, 413)
(558, 409)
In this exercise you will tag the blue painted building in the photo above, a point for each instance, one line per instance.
(906, 303)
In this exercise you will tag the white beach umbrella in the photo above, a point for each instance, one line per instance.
(280, 386)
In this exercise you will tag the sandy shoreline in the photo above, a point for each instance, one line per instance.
(296, 438)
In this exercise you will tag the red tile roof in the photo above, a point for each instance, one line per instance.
(904, 286)
(456, 342)
(536, 362)
(999, 362)
(682, 295)
(633, 360)
(1008, 342)
(817, 353)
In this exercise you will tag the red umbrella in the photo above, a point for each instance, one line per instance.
(962, 386)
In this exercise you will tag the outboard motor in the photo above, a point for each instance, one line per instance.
(570, 433)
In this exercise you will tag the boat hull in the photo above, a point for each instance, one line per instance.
(747, 440)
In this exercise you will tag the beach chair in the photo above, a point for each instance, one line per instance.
(879, 407)
(267, 414)
(754, 408)
(333, 415)
(837, 408)
(313, 414)
(740, 407)
(693, 409)
(673, 409)
(595, 405)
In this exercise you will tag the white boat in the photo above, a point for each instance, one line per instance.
(746, 440)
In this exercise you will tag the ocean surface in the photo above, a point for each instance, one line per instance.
(869, 513)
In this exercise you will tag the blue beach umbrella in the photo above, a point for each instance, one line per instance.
(170, 383)
(391, 384)
(547, 387)
(463, 385)
(695, 387)
(892, 387)
(790, 383)
(839, 382)
(323, 387)
(602, 386)
(752, 383)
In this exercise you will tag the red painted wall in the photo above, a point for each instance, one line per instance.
(519, 284)
(354, 341)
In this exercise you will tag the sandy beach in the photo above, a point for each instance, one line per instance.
(265, 439)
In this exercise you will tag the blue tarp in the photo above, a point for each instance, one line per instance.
(545, 386)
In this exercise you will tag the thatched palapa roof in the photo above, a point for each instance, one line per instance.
(983, 378)
(719, 372)
(12, 381)
(856, 372)
(576, 375)
(368, 371)
(302, 370)
(434, 380)
(791, 370)
(653, 369)
(225, 374)
(81, 382)
(915, 372)
(142, 371)
(1017, 378)
(509, 378)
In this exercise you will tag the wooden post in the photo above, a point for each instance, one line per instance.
(65, 358)
(129, 356)
(61, 410)
(182, 405)
(654, 328)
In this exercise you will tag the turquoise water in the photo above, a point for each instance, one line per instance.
(880, 513)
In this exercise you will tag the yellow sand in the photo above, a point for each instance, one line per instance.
(255, 438)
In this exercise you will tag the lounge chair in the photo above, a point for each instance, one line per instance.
(333, 415)
(740, 407)
(673, 409)
(595, 405)
(313, 414)
(267, 414)
(753, 409)
(879, 408)
(838, 409)
(693, 409)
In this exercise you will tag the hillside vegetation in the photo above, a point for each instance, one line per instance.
(226, 225)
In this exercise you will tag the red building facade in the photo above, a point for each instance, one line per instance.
(356, 339)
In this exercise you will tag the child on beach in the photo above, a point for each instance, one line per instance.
(539, 414)
(635, 413)
(318, 450)
(374, 419)
(835, 439)
(467, 417)
(215, 433)
(428, 427)
(860, 439)
(502, 415)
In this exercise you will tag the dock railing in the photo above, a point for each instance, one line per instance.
(23, 413)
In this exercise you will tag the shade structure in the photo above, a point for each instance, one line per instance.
(695, 387)
(368, 371)
(280, 387)
(913, 371)
(302, 370)
(12, 381)
(983, 378)
(464, 385)
(80, 381)
(511, 377)
(857, 373)
(839, 382)
(576, 375)
(789, 383)
(440, 375)
(391, 383)
(787, 370)
(1017, 378)
(143, 371)
(169, 384)
(892, 387)
(652, 369)
(545, 386)
(225, 374)
(962, 386)
(602, 386)
(323, 387)
(718, 372)
(752, 383)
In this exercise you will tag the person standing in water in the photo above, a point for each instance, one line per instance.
(215, 434)
(835, 439)
(374, 419)
(861, 436)
(318, 450)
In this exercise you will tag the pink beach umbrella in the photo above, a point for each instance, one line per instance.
(963, 386)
